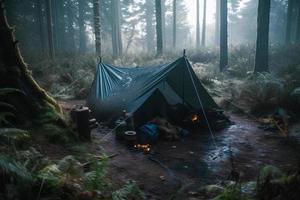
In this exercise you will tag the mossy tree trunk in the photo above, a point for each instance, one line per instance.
(14, 73)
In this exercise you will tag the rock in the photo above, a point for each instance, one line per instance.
(249, 188)
(295, 95)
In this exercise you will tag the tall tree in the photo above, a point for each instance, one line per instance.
(159, 31)
(174, 23)
(198, 25)
(61, 25)
(40, 18)
(298, 23)
(81, 23)
(223, 35)
(204, 25)
(149, 15)
(97, 26)
(50, 29)
(262, 41)
(116, 28)
(163, 21)
(71, 30)
(289, 22)
(217, 23)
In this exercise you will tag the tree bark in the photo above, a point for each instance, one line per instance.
(159, 32)
(116, 28)
(298, 23)
(97, 26)
(61, 26)
(71, 31)
(81, 23)
(50, 29)
(223, 35)
(217, 23)
(40, 19)
(149, 25)
(174, 24)
(163, 22)
(289, 22)
(262, 41)
(204, 26)
(198, 26)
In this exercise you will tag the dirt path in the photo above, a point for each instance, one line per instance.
(195, 160)
(186, 165)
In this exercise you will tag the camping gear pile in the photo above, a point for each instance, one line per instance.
(155, 101)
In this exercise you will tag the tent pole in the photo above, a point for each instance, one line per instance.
(201, 104)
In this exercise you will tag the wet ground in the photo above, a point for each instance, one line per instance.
(198, 159)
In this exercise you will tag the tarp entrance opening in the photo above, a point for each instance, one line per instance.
(146, 91)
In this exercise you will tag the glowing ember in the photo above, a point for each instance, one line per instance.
(144, 147)
(195, 118)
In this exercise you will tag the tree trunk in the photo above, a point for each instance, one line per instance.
(40, 19)
(61, 26)
(50, 29)
(149, 25)
(71, 31)
(174, 24)
(204, 25)
(217, 24)
(289, 22)
(163, 22)
(81, 23)
(159, 32)
(97, 26)
(198, 26)
(116, 28)
(298, 23)
(223, 36)
(15, 74)
(262, 41)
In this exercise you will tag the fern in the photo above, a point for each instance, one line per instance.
(95, 179)
(4, 116)
(11, 167)
(13, 134)
(70, 167)
(56, 175)
(129, 191)
(8, 91)
(231, 193)
(7, 105)
(51, 175)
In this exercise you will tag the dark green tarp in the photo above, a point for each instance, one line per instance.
(145, 90)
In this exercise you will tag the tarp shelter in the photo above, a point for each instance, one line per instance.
(145, 92)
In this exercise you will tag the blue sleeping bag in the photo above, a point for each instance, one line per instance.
(148, 133)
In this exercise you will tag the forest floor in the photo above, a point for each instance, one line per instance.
(180, 168)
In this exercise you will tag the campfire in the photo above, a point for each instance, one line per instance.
(146, 148)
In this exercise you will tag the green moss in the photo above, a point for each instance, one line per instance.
(231, 193)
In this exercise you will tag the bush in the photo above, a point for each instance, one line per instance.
(261, 92)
